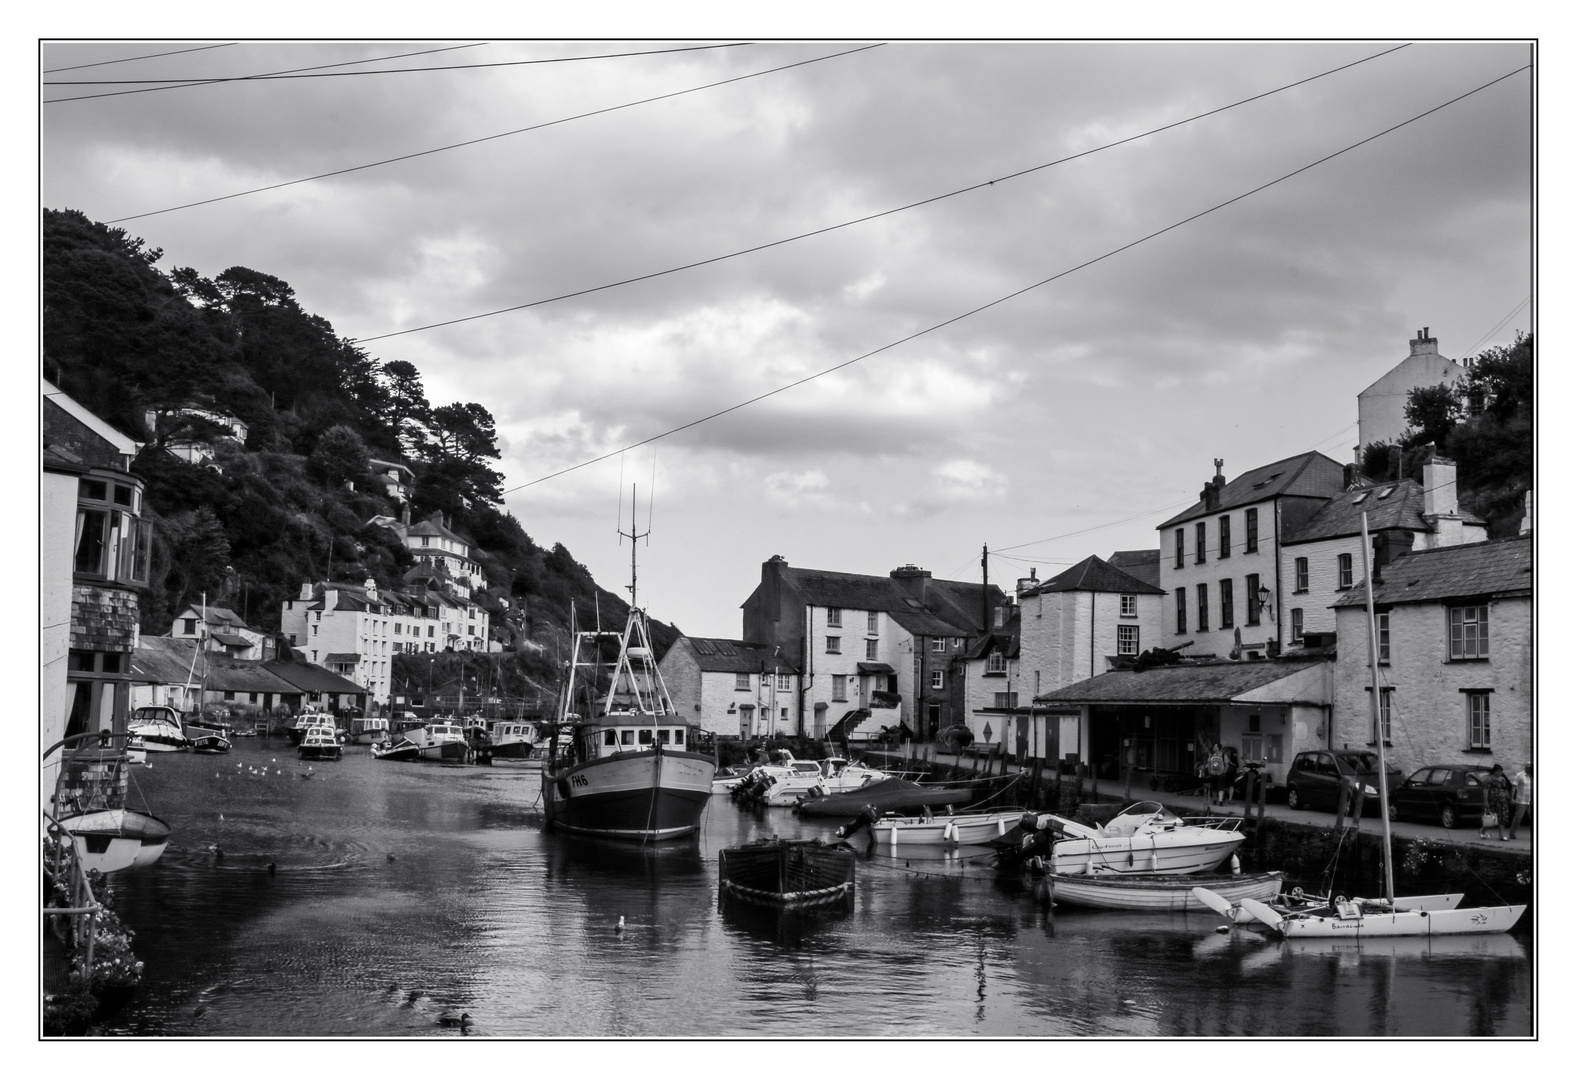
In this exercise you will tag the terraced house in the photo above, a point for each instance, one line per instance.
(873, 652)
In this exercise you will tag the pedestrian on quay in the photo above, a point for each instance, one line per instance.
(1497, 803)
(1521, 796)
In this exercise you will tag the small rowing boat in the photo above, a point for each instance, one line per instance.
(1159, 892)
(896, 831)
(787, 874)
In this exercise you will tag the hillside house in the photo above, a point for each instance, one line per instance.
(732, 687)
(222, 630)
(196, 450)
(1382, 404)
(891, 645)
(1455, 642)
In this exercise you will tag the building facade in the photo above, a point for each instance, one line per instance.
(733, 687)
(95, 550)
(222, 630)
(892, 646)
(1454, 633)
(1219, 554)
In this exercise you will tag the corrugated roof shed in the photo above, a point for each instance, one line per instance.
(309, 677)
(1490, 568)
(1179, 684)
(1306, 474)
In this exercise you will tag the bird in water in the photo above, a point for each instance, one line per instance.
(270, 869)
(308, 774)
(389, 857)
(448, 1020)
(412, 997)
(221, 817)
(219, 854)
(618, 927)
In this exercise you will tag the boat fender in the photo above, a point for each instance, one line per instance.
(1237, 867)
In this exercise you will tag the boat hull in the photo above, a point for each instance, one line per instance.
(946, 829)
(1156, 853)
(787, 874)
(886, 795)
(311, 752)
(514, 751)
(118, 839)
(645, 795)
(400, 751)
(443, 751)
(1391, 924)
(1158, 892)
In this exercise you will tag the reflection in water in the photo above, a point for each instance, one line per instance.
(405, 892)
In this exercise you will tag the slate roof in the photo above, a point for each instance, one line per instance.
(1306, 474)
(1490, 568)
(952, 608)
(429, 527)
(1391, 505)
(303, 676)
(168, 660)
(1179, 684)
(724, 654)
(230, 639)
(342, 658)
(1144, 564)
(1006, 638)
(1095, 574)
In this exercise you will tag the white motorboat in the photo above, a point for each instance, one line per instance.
(791, 780)
(159, 728)
(439, 741)
(515, 739)
(895, 831)
(319, 743)
(1146, 838)
(840, 775)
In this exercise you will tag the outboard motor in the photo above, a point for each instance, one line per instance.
(867, 817)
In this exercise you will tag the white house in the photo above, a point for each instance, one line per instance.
(197, 451)
(222, 630)
(1382, 403)
(1219, 554)
(394, 477)
(1455, 640)
(732, 687)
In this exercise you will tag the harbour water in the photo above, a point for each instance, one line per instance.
(403, 892)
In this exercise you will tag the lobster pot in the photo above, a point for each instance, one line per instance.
(788, 874)
(92, 778)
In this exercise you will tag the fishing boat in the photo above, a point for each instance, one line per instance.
(787, 874)
(892, 795)
(930, 829)
(1146, 838)
(309, 719)
(439, 740)
(319, 743)
(159, 727)
(1159, 892)
(90, 806)
(1358, 918)
(514, 739)
(630, 769)
(366, 730)
(208, 742)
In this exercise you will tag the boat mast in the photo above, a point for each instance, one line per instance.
(634, 536)
(1374, 709)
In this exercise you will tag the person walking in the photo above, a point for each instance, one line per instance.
(1497, 803)
(1521, 796)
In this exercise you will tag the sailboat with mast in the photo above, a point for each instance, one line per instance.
(1394, 916)
(629, 768)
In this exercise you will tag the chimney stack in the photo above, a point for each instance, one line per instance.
(1423, 345)
(1527, 513)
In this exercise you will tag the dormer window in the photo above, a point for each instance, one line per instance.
(996, 663)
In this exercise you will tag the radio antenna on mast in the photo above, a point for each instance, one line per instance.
(634, 536)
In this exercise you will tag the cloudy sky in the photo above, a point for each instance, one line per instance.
(993, 384)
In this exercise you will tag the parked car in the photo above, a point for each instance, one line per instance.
(1443, 793)
(1317, 777)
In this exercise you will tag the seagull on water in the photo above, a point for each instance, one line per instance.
(462, 1021)
(618, 927)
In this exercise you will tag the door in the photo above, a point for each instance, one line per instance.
(1068, 748)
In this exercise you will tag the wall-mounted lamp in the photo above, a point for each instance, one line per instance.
(1264, 600)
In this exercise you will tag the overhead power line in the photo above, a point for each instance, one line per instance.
(1526, 300)
(310, 74)
(167, 85)
(488, 138)
(868, 217)
(147, 56)
(1028, 288)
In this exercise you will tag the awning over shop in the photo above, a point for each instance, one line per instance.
(874, 668)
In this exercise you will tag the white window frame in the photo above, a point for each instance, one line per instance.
(741, 680)
(1478, 717)
(996, 663)
(1344, 570)
(834, 643)
(835, 617)
(1128, 605)
(938, 682)
(1128, 640)
(939, 644)
(1382, 635)
(870, 648)
(871, 625)
(1300, 574)
(1467, 632)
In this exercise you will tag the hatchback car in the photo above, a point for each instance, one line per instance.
(1443, 793)
(1317, 777)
